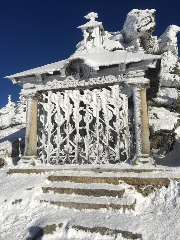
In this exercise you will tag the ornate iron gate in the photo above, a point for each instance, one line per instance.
(83, 126)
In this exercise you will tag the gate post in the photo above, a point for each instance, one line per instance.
(144, 123)
(141, 127)
(30, 151)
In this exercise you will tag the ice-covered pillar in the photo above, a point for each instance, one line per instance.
(137, 119)
(141, 125)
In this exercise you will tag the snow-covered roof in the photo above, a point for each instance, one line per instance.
(94, 60)
(106, 58)
(40, 70)
(91, 24)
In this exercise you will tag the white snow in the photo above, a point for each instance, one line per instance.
(138, 23)
(106, 58)
(167, 96)
(101, 58)
(154, 174)
(162, 119)
(83, 199)
(57, 66)
(91, 24)
(12, 124)
(14, 113)
(168, 40)
(155, 217)
(84, 185)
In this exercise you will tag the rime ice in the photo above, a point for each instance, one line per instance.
(93, 126)
(92, 107)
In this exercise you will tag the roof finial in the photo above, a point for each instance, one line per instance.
(91, 16)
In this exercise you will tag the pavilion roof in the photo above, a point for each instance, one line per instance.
(94, 60)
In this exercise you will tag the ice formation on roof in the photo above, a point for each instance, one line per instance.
(136, 34)
(106, 58)
(49, 68)
(92, 23)
(92, 32)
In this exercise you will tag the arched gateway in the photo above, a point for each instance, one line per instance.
(90, 108)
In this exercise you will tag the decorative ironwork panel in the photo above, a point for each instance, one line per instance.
(83, 126)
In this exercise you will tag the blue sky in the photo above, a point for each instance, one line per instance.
(37, 32)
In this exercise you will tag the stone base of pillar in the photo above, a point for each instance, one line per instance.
(144, 160)
(29, 160)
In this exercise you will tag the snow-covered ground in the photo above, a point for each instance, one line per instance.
(22, 215)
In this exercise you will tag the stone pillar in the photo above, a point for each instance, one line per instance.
(31, 127)
(30, 152)
(141, 126)
(144, 124)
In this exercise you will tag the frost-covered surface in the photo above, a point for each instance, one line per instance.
(136, 32)
(4, 134)
(162, 119)
(136, 36)
(12, 129)
(14, 113)
(153, 174)
(170, 70)
(168, 40)
(40, 70)
(106, 58)
(138, 29)
(22, 215)
(167, 97)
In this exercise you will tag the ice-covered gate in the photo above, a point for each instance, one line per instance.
(83, 126)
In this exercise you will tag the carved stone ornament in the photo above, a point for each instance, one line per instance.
(71, 82)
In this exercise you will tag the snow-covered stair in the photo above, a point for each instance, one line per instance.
(84, 202)
(93, 189)
(77, 190)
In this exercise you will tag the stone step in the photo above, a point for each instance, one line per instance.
(93, 189)
(95, 169)
(109, 232)
(104, 231)
(135, 181)
(85, 192)
(84, 185)
(143, 185)
(85, 202)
